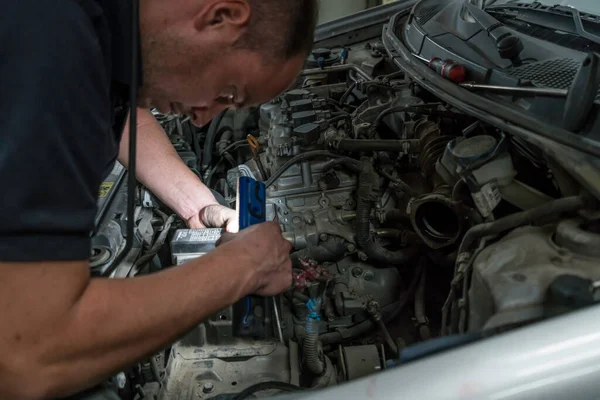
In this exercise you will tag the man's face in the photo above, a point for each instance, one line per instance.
(193, 68)
(238, 80)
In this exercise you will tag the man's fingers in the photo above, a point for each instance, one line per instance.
(217, 216)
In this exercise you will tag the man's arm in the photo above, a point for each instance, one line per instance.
(72, 332)
(162, 171)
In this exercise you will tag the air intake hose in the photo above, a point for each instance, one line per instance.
(368, 192)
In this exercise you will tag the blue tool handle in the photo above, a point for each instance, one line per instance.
(251, 202)
(251, 208)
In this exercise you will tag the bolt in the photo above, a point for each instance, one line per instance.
(369, 276)
(296, 220)
(323, 237)
(362, 256)
(351, 247)
(208, 387)
(357, 272)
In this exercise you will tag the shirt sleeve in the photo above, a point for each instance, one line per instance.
(54, 120)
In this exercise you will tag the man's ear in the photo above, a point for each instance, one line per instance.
(227, 18)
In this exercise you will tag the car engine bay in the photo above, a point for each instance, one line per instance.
(410, 220)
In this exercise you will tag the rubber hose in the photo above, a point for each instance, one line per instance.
(225, 134)
(331, 250)
(369, 244)
(209, 143)
(311, 349)
(555, 207)
(355, 145)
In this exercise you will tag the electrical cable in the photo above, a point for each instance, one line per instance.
(131, 170)
(211, 172)
(272, 385)
(209, 142)
(400, 184)
(160, 241)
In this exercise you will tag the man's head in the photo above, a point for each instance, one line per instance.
(202, 56)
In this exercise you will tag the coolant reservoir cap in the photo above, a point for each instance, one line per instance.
(474, 148)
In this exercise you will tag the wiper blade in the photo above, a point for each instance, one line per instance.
(566, 12)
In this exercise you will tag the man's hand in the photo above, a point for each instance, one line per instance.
(215, 216)
(269, 253)
(163, 172)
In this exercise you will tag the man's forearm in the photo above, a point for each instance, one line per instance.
(162, 171)
(113, 323)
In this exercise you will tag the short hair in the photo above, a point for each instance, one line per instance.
(281, 28)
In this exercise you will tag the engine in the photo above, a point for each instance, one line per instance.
(409, 220)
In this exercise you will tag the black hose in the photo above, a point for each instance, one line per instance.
(555, 207)
(272, 385)
(209, 142)
(224, 135)
(368, 187)
(298, 159)
(354, 145)
(131, 168)
(331, 250)
(347, 93)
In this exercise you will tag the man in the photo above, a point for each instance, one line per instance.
(64, 74)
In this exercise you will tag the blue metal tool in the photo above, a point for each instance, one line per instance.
(251, 202)
(251, 208)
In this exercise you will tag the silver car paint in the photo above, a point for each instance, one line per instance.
(556, 359)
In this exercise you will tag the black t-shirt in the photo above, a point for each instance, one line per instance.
(64, 73)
